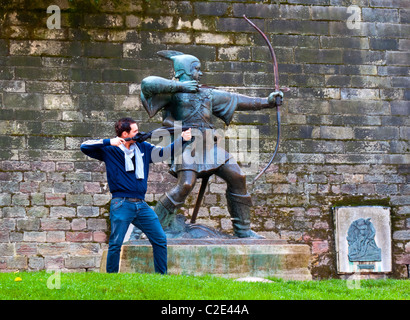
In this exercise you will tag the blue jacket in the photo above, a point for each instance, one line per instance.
(123, 183)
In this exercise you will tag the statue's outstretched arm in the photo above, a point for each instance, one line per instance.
(243, 102)
(251, 103)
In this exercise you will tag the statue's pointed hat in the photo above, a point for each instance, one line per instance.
(182, 62)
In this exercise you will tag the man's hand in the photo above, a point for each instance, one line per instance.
(186, 135)
(117, 141)
(275, 97)
(188, 86)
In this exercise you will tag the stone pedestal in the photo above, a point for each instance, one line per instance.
(233, 258)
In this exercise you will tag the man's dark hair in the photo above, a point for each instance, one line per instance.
(122, 125)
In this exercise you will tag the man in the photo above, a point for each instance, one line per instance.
(127, 165)
(183, 100)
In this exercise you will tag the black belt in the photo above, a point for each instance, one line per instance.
(134, 199)
(200, 125)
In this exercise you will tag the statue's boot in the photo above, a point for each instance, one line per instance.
(239, 207)
(165, 210)
(174, 225)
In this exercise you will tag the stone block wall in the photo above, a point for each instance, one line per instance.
(345, 122)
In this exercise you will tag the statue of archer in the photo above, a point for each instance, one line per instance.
(184, 100)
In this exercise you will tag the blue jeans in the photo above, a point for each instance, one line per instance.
(122, 213)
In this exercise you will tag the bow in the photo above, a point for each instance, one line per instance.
(278, 101)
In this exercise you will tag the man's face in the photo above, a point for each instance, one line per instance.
(132, 133)
(196, 73)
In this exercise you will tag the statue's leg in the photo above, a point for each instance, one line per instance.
(165, 210)
(238, 199)
(174, 199)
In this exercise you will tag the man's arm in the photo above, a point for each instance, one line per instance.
(159, 154)
(94, 148)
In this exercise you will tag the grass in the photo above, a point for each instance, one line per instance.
(99, 286)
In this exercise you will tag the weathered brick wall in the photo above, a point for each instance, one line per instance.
(345, 121)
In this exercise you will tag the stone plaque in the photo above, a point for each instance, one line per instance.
(363, 239)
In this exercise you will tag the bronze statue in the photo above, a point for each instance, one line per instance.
(184, 101)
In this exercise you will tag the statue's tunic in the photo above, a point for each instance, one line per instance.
(206, 153)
